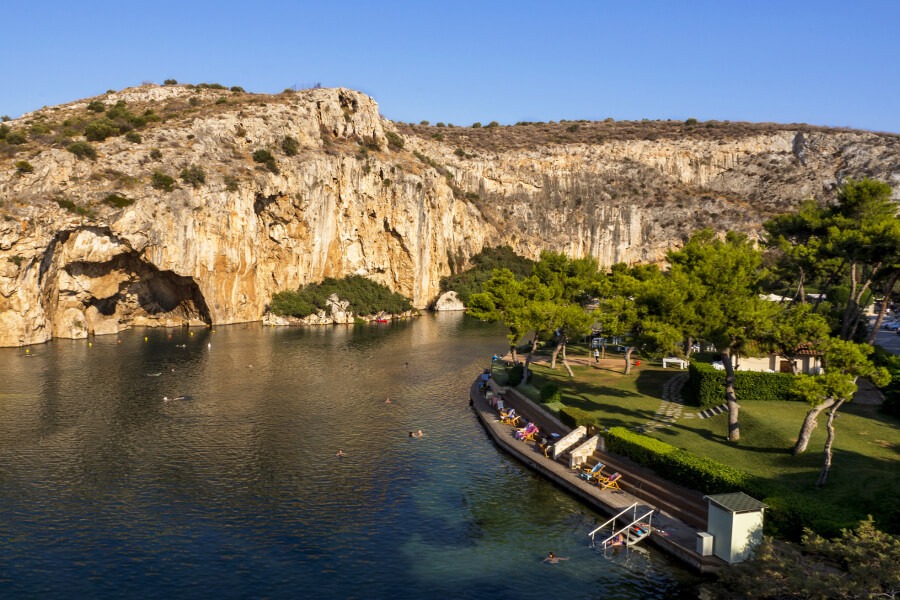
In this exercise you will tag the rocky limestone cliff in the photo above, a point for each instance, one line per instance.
(357, 195)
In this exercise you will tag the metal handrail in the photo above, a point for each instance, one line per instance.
(613, 520)
(624, 529)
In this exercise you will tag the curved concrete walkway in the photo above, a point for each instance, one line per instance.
(679, 513)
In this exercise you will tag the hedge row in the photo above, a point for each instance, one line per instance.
(680, 466)
(706, 386)
(788, 512)
(574, 417)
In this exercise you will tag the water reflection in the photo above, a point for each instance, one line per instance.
(108, 491)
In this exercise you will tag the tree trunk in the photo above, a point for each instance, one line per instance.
(513, 353)
(690, 348)
(809, 425)
(566, 362)
(628, 351)
(559, 346)
(734, 427)
(888, 292)
(823, 476)
(801, 290)
(526, 372)
(852, 311)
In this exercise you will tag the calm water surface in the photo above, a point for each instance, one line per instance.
(107, 491)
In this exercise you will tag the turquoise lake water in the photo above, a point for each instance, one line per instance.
(108, 491)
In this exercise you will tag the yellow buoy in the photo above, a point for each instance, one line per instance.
(90, 344)
(145, 338)
(192, 333)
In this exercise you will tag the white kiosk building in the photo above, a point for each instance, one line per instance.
(735, 523)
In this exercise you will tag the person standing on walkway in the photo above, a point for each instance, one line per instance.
(596, 356)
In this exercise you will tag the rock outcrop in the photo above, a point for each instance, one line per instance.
(449, 301)
(97, 246)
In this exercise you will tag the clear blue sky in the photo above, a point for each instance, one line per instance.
(823, 62)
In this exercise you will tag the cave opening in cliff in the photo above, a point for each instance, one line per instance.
(164, 293)
(127, 288)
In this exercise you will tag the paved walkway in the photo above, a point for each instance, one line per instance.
(679, 513)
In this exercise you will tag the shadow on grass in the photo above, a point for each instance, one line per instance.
(723, 439)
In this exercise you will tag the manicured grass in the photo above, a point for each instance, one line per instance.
(865, 474)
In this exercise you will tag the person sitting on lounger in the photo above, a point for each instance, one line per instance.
(527, 431)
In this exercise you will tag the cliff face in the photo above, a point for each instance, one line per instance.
(348, 199)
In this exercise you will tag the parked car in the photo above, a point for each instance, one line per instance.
(892, 325)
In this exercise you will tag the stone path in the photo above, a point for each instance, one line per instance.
(672, 406)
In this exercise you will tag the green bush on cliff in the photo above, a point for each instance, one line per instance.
(161, 181)
(468, 282)
(290, 146)
(82, 150)
(365, 297)
(265, 157)
(193, 175)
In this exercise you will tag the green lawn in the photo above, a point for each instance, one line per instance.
(865, 475)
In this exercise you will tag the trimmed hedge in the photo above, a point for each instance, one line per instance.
(573, 417)
(680, 466)
(788, 513)
(706, 386)
(551, 393)
(514, 374)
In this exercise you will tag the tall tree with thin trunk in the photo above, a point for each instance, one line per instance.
(725, 279)
(844, 363)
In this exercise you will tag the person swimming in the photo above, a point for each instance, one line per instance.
(553, 559)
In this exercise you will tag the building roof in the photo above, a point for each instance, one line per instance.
(736, 502)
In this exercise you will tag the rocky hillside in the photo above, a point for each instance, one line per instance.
(169, 205)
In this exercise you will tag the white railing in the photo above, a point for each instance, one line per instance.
(634, 520)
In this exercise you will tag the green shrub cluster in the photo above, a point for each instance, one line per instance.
(231, 183)
(118, 120)
(891, 362)
(395, 142)
(161, 181)
(117, 201)
(265, 157)
(551, 393)
(706, 386)
(468, 282)
(24, 167)
(365, 297)
(575, 417)
(514, 374)
(14, 137)
(290, 146)
(74, 208)
(82, 150)
(193, 175)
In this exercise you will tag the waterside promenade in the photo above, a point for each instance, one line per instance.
(680, 514)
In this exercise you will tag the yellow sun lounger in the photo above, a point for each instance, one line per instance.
(611, 482)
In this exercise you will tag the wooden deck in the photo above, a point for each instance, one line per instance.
(679, 513)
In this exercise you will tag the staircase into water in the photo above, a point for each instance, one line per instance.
(625, 529)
